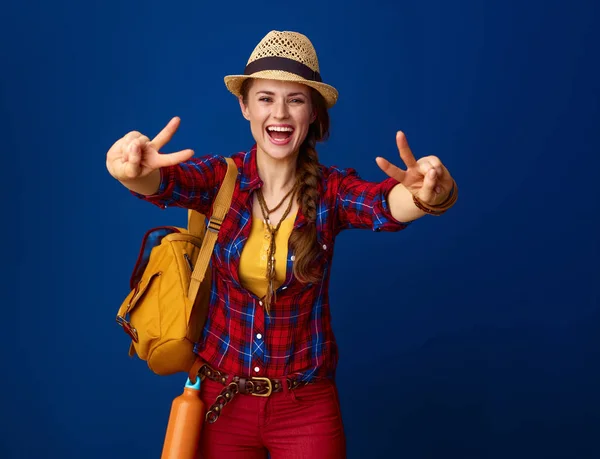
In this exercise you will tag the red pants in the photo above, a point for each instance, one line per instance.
(304, 423)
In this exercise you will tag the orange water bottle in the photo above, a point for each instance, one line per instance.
(182, 440)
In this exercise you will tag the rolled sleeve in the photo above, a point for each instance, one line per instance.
(162, 196)
(192, 184)
(362, 204)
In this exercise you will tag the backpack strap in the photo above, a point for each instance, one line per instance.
(195, 225)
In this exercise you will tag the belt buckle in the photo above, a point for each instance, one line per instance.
(266, 380)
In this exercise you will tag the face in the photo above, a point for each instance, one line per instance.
(280, 114)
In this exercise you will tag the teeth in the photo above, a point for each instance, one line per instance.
(279, 129)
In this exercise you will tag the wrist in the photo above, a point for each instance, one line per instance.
(441, 208)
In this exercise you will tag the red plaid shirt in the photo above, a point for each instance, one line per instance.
(296, 339)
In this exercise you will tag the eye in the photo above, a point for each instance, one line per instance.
(297, 101)
(265, 99)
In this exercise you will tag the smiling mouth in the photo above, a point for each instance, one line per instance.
(280, 133)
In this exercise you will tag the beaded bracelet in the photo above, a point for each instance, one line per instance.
(440, 208)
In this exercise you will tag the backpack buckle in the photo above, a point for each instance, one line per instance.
(214, 224)
(129, 329)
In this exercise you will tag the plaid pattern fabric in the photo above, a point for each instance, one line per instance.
(296, 339)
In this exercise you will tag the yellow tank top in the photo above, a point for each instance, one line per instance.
(253, 260)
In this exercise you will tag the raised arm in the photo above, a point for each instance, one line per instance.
(135, 160)
(392, 204)
(425, 184)
(174, 179)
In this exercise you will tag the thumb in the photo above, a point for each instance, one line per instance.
(132, 170)
(427, 192)
(132, 160)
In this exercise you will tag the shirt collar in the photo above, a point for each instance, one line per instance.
(250, 178)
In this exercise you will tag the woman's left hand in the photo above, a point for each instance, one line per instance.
(427, 179)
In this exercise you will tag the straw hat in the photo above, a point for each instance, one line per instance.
(284, 56)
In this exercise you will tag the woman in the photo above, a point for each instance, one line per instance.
(269, 326)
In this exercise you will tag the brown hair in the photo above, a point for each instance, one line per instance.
(303, 241)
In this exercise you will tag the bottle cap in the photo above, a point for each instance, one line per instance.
(190, 385)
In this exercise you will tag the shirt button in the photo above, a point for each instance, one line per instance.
(256, 369)
(293, 257)
(324, 247)
(259, 336)
(260, 302)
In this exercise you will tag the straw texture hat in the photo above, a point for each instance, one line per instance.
(284, 56)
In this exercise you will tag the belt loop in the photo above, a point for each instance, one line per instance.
(291, 392)
(242, 386)
(286, 388)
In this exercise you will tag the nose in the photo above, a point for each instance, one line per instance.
(280, 110)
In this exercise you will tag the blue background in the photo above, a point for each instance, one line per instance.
(471, 335)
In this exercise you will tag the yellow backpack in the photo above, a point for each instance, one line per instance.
(165, 312)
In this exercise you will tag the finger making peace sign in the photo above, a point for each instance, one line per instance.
(136, 156)
(427, 178)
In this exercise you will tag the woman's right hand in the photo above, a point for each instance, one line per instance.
(135, 156)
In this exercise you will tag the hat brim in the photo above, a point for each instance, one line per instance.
(329, 93)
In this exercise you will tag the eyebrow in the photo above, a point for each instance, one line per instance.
(271, 93)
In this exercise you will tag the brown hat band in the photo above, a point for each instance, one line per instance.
(282, 63)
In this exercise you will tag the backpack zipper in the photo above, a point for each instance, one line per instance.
(189, 261)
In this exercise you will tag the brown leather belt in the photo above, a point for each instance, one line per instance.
(254, 385)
